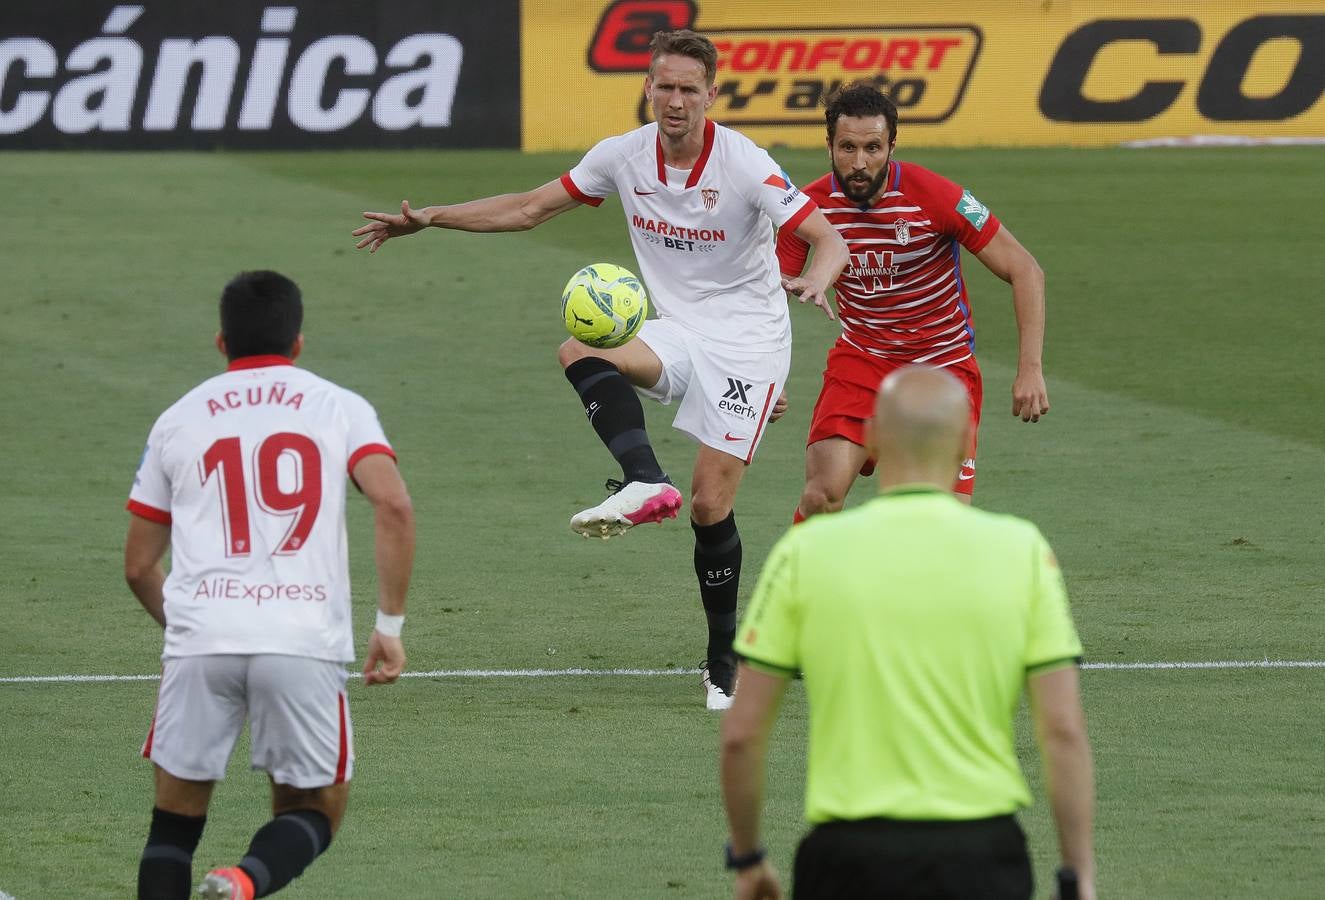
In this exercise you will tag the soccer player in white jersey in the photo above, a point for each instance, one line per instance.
(902, 299)
(701, 202)
(243, 480)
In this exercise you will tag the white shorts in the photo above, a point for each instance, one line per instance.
(726, 395)
(298, 712)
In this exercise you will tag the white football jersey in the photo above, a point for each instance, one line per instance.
(249, 470)
(704, 236)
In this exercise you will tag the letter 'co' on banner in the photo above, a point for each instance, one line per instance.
(247, 74)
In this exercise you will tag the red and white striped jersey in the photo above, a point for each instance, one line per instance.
(249, 469)
(902, 296)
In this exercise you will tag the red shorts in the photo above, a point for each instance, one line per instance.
(851, 382)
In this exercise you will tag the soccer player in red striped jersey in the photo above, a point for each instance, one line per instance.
(902, 298)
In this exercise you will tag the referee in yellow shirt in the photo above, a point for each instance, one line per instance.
(915, 621)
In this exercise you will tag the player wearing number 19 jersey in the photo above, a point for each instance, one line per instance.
(244, 481)
(903, 298)
(249, 470)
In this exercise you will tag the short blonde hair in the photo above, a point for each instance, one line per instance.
(685, 42)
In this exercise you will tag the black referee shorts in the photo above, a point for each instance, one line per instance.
(981, 859)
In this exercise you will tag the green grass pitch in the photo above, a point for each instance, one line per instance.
(1179, 477)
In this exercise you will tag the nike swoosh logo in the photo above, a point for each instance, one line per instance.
(716, 583)
(639, 193)
(731, 437)
(964, 477)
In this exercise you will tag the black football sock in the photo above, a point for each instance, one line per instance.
(718, 567)
(615, 412)
(165, 871)
(284, 847)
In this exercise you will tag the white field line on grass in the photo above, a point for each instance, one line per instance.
(1229, 664)
(653, 673)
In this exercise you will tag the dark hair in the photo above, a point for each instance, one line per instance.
(685, 42)
(860, 99)
(261, 314)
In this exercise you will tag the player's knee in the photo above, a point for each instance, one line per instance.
(570, 351)
(709, 507)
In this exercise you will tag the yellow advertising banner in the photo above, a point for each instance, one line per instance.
(1013, 73)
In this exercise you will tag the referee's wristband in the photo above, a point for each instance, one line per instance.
(745, 860)
(389, 626)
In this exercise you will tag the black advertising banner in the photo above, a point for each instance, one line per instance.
(241, 74)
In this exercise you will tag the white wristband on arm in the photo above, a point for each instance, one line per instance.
(389, 626)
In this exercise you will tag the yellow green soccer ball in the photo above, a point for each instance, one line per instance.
(604, 305)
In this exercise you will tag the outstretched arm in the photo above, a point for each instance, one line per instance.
(1010, 261)
(505, 212)
(1060, 729)
(830, 258)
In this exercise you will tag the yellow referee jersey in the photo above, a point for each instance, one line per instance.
(915, 620)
